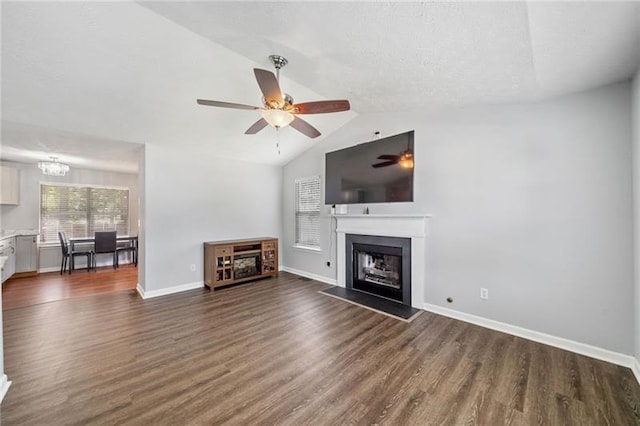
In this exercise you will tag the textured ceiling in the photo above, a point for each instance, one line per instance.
(122, 71)
(408, 55)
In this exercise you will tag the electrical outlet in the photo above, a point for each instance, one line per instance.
(484, 293)
(193, 267)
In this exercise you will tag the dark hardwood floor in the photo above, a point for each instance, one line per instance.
(277, 352)
(51, 286)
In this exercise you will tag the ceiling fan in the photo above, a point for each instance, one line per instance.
(278, 110)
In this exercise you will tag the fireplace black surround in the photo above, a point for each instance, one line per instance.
(380, 266)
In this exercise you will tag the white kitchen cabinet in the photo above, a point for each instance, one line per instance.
(26, 253)
(7, 248)
(9, 185)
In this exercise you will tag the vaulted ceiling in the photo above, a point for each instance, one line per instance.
(78, 77)
(408, 55)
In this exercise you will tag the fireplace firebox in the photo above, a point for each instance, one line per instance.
(246, 265)
(380, 266)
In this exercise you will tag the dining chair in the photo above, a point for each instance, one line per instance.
(131, 246)
(68, 257)
(105, 242)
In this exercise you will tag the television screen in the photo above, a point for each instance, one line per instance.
(380, 171)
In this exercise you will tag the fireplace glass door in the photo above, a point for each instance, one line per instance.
(246, 265)
(378, 270)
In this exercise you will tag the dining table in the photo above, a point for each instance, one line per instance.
(132, 239)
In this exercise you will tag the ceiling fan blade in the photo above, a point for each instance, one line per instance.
(256, 127)
(269, 85)
(385, 164)
(322, 107)
(305, 128)
(388, 157)
(225, 104)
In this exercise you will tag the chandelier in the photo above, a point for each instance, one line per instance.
(53, 168)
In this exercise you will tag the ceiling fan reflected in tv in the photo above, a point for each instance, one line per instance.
(355, 175)
(404, 159)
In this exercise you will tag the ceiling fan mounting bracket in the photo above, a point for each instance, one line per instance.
(278, 61)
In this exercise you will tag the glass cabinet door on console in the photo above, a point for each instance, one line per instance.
(224, 264)
(269, 257)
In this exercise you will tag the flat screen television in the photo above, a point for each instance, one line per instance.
(380, 171)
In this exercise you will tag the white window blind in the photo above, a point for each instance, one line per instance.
(80, 211)
(308, 212)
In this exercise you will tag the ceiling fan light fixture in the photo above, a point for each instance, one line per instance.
(277, 117)
(53, 167)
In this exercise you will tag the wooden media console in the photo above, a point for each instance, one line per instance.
(236, 261)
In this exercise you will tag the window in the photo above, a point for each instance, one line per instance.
(80, 211)
(308, 212)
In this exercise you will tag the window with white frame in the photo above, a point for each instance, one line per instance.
(307, 232)
(81, 210)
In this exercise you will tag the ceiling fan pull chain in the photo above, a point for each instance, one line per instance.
(278, 139)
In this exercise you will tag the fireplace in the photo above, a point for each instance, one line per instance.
(246, 265)
(380, 266)
(412, 227)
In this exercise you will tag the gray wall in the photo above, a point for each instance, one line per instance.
(636, 190)
(533, 202)
(26, 215)
(190, 199)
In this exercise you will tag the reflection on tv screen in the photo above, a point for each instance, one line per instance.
(380, 171)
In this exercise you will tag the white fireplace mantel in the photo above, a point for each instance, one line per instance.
(412, 226)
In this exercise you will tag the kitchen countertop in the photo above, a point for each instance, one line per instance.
(18, 232)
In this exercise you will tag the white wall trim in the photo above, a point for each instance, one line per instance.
(547, 339)
(316, 277)
(169, 290)
(4, 386)
(308, 249)
(636, 369)
(82, 268)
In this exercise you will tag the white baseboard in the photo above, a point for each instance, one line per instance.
(4, 386)
(316, 277)
(547, 339)
(78, 268)
(636, 369)
(169, 290)
(82, 268)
